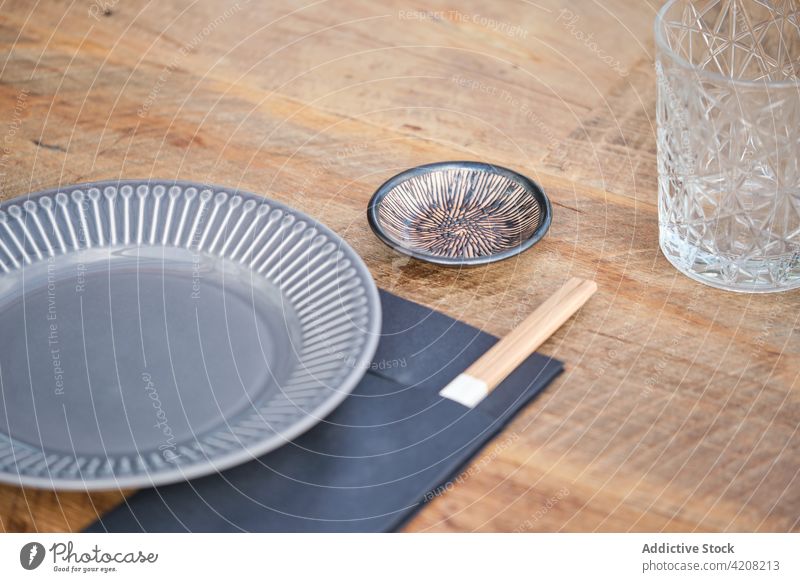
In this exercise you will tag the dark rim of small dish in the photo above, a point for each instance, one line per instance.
(527, 183)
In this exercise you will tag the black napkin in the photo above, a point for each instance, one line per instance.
(371, 464)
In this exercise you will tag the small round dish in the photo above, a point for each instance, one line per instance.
(459, 213)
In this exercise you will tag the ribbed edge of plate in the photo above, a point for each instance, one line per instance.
(325, 282)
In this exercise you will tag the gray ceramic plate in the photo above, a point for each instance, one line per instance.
(157, 331)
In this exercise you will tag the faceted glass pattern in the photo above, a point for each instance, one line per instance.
(728, 118)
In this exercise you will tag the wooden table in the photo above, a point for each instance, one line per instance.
(680, 405)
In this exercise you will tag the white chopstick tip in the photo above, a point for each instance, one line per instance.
(466, 390)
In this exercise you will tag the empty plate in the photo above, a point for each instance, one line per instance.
(158, 331)
(459, 213)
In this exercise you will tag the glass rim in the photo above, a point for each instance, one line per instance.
(661, 43)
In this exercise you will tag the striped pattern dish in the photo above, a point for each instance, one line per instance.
(459, 213)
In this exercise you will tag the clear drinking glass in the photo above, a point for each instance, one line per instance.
(728, 120)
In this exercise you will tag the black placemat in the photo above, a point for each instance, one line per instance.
(374, 461)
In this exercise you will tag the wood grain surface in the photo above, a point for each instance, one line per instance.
(680, 405)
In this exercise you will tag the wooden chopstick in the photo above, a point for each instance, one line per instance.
(488, 371)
